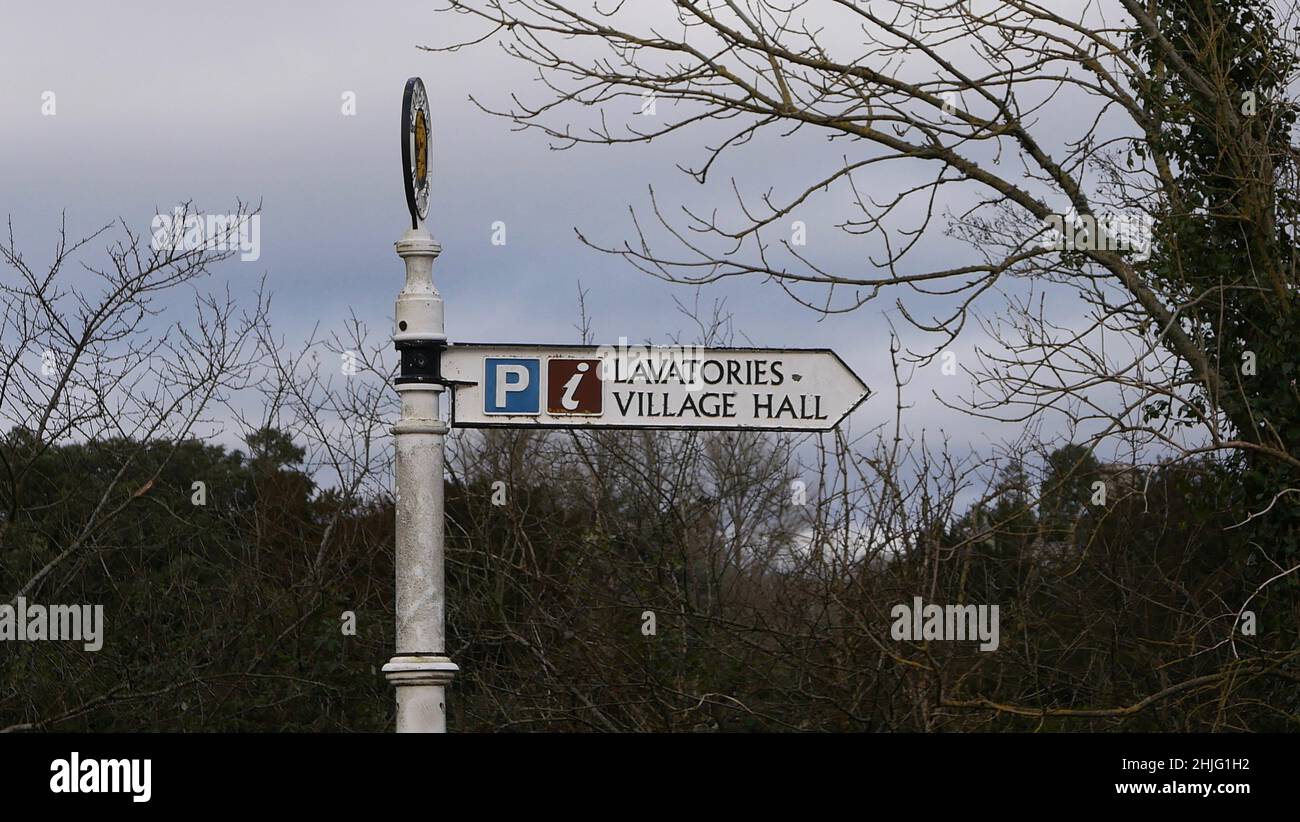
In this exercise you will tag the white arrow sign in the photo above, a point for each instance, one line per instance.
(575, 386)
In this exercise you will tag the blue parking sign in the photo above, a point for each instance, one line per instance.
(512, 385)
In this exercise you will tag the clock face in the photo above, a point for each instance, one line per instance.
(417, 149)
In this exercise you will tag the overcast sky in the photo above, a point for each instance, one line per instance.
(163, 102)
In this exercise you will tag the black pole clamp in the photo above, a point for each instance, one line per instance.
(421, 361)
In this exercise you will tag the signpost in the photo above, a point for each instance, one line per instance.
(545, 386)
(569, 386)
(420, 669)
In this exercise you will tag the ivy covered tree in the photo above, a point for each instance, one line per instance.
(1222, 131)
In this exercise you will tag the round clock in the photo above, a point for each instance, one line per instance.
(417, 149)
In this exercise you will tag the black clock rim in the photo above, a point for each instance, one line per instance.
(408, 167)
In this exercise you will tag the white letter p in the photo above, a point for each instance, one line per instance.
(505, 385)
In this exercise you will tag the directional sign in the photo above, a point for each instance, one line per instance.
(630, 386)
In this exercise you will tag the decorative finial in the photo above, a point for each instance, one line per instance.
(417, 149)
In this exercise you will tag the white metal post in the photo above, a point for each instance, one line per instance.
(420, 669)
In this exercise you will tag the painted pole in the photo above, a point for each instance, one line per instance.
(420, 670)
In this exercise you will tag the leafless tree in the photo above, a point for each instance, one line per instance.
(981, 121)
(83, 360)
(1006, 135)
